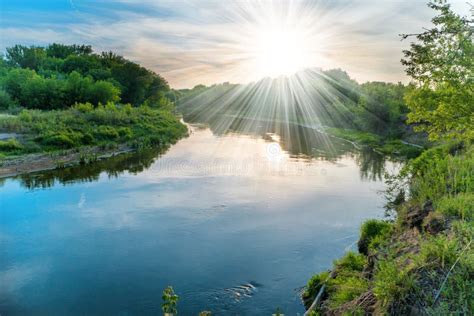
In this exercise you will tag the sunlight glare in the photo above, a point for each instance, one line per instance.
(280, 51)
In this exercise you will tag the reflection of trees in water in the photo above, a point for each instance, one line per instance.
(299, 141)
(303, 142)
(113, 167)
(371, 164)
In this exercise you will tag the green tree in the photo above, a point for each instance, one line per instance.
(63, 51)
(381, 108)
(102, 92)
(25, 57)
(441, 63)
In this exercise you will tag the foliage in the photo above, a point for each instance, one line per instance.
(437, 173)
(86, 125)
(351, 261)
(6, 102)
(441, 64)
(314, 285)
(392, 282)
(10, 145)
(346, 287)
(334, 100)
(58, 76)
(411, 269)
(461, 206)
(34, 91)
(170, 301)
(371, 233)
(381, 108)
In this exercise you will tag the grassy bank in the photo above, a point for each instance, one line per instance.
(388, 146)
(85, 126)
(423, 261)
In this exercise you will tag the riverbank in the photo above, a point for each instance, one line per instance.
(393, 147)
(37, 140)
(422, 261)
(49, 161)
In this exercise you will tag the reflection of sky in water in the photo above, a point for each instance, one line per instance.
(208, 216)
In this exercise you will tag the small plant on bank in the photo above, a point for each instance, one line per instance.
(372, 231)
(170, 302)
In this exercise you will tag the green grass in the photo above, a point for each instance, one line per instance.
(460, 206)
(10, 145)
(85, 125)
(372, 233)
(406, 267)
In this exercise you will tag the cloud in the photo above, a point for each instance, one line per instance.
(192, 42)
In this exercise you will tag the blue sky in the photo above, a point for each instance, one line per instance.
(191, 41)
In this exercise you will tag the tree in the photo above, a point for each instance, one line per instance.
(441, 64)
(381, 107)
(63, 51)
(102, 92)
(25, 57)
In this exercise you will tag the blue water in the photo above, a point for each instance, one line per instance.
(235, 223)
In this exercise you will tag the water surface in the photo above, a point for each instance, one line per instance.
(237, 222)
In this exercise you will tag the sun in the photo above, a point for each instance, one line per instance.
(280, 51)
(276, 38)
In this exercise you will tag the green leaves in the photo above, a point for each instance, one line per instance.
(441, 64)
(170, 301)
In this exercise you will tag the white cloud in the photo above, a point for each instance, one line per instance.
(191, 42)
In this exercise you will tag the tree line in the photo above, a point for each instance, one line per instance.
(58, 76)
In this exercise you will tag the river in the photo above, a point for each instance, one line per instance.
(236, 222)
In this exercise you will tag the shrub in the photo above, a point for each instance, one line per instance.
(25, 116)
(313, 287)
(392, 282)
(106, 133)
(345, 288)
(370, 232)
(10, 145)
(59, 140)
(84, 107)
(6, 101)
(440, 249)
(351, 262)
(461, 205)
(125, 133)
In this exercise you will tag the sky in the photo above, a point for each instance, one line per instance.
(192, 42)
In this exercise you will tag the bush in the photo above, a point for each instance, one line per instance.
(461, 206)
(85, 125)
(106, 133)
(441, 249)
(313, 287)
(10, 145)
(392, 282)
(437, 173)
(372, 230)
(84, 107)
(351, 262)
(345, 288)
(59, 140)
(6, 101)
